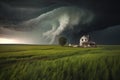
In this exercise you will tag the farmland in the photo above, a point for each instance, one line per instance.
(53, 62)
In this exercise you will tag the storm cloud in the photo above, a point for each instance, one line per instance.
(43, 22)
(46, 27)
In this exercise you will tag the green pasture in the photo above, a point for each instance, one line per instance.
(53, 62)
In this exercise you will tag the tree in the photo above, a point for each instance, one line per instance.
(62, 41)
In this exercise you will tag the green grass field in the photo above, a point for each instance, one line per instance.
(34, 62)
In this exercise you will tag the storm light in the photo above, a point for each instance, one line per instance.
(9, 41)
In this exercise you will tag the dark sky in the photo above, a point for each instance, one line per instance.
(105, 17)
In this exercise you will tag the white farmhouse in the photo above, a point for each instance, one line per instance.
(84, 39)
(85, 42)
